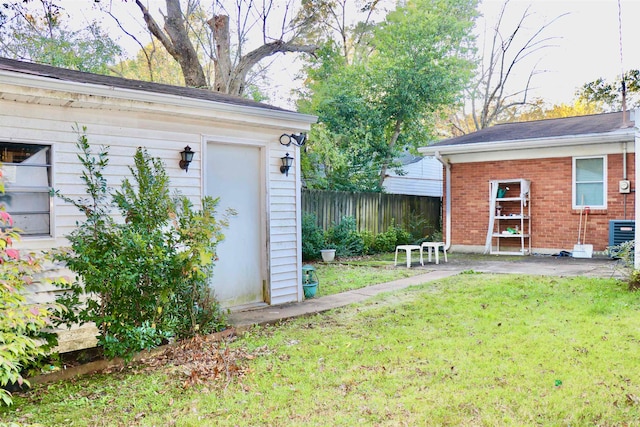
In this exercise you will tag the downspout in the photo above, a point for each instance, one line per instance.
(636, 258)
(624, 160)
(447, 167)
(624, 177)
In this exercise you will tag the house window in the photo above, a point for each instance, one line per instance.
(589, 182)
(26, 170)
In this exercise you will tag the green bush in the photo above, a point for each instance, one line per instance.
(199, 233)
(146, 278)
(387, 241)
(312, 237)
(403, 237)
(344, 235)
(625, 254)
(23, 340)
(419, 227)
(347, 240)
(368, 242)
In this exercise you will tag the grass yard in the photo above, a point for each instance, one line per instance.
(471, 350)
(340, 277)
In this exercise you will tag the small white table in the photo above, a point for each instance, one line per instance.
(435, 246)
(408, 249)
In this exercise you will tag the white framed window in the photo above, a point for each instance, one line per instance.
(590, 182)
(26, 170)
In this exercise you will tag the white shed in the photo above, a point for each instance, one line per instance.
(237, 157)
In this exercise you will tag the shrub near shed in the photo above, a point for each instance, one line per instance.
(146, 278)
(21, 324)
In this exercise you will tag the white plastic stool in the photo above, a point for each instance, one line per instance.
(408, 249)
(433, 246)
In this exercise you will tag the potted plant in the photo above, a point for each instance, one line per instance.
(309, 281)
(328, 254)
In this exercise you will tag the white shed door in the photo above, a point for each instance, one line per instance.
(234, 174)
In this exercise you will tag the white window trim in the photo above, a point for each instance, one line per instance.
(575, 205)
(52, 226)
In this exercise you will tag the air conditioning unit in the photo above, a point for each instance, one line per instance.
(621, 230)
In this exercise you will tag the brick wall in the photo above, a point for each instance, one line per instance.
(554, 223)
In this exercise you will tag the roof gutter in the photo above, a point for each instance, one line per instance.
(525, 144)
(447, 167)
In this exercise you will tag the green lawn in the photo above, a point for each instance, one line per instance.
(345, 276)
(475, 349)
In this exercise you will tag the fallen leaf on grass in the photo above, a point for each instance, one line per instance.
(202, 359)
(632, 399)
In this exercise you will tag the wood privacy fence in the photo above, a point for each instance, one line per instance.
(374, 211)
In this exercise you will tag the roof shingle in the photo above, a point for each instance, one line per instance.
(580, 125)
(118, 82)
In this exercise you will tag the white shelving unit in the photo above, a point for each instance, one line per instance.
(509, 217)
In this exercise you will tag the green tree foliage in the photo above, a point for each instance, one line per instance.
(146, 278)
(36, 31)
(538, 110)
(608, 94)
(369, 110)
(152, 63)
(22, 323)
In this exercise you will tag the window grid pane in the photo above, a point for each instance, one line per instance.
(27, 175)
(589, 194)
(589, 170)
(589, 182)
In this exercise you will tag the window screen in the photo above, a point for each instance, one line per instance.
(589, 182)
(27, 175)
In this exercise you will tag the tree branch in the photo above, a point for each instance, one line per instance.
(155, 29)
(248, 61)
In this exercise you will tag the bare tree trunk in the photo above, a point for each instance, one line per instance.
(229, 77)
(222, 63)
(248, 61)
(175, 39)
(392, 143)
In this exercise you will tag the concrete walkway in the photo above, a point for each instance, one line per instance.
(535, 265)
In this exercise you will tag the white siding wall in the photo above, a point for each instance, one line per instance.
(164, 135)
(286, 284)
(422, 178)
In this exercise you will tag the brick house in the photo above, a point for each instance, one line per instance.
(569, 164)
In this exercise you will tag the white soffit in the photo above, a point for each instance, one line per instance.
(566, 146)
(38, 89)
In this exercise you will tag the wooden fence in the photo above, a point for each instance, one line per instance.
(374, 211)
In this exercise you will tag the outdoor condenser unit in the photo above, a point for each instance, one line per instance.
(621, 230)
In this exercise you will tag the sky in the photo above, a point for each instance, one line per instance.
(585, 42)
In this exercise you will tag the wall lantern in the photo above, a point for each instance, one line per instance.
(287, 161)
(186, 156)
(297, 140)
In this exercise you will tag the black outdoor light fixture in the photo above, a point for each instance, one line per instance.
(297, 140)
(287, 161)
(186, 156)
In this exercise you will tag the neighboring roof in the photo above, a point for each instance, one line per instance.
(538, 129)
(406, 158)
(118, 82)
